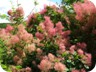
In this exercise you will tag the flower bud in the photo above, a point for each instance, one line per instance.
(10, 12)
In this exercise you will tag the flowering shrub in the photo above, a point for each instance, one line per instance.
(54, 40)
(80, 20)
(16, 15)
(50, 51)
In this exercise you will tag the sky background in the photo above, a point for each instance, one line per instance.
(57, 1)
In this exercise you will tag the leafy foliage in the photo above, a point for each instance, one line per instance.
(56, 39)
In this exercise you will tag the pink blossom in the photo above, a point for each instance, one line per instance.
(61, 51)
(37, 41)
(59, 27)
(9, 28)
(45, 65)
(14, 39)
(21, 27)
(24, 35)
(51, 57)
(60, 10)
(16, 58)
(48, 23)
(19, 62)
(78, 10)
(28, 20)
(45, 6)
(88, 60)
(47, 18)
(10, 12)
(74, 70)
(34, 62)
(42, 26)
(30, 48)
(22, 32)
(66, 33)
(30, 17)
(3, 31)
(54, 7)
(27, 36)
(72, 49)
(83, 9)
(45, 57)
(67, 20)
(51, 32)
(39, 35)
(39, 51)
(60, 67)
(62, 47)
(80, 52)
(79, 17)
(20, 11)
(82, 45)
(86, 0)
(89, 7)
(64, 42)
(28, 69)
(43, 11)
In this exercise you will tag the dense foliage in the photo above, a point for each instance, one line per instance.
(56, 39)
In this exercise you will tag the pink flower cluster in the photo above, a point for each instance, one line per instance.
(20, 35)
(23, 34)
(44, 10)
(50, 30)
(50, 48)
(49, 63)
(15, 14)
(58, 10)
(55, 62)
(83, 9)
(27, 69)
(23, 42)
(19, 12)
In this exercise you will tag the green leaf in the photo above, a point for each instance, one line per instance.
(18, 67)
(3, 16)
(4, 66)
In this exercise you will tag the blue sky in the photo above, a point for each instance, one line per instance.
(58, 1)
